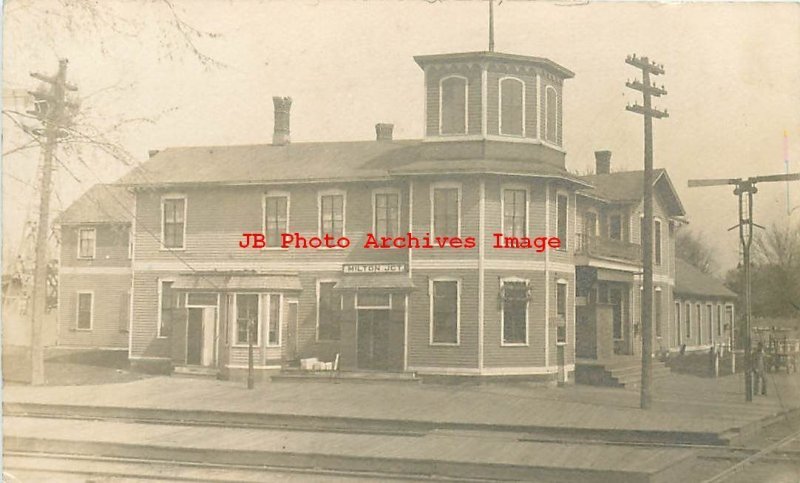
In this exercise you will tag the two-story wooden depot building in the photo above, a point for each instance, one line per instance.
(491, 161)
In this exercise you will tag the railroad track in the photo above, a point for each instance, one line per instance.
(773, 454)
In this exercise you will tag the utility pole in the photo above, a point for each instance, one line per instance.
(491, 25)
(51, 110)
(745, 189)
(648, 91)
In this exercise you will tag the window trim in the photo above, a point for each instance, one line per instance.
(374, 307)
(78, 310)
(332, 192)
(503, 342)
(431, 282)
(94, 243)
(269, 318)
(174, 196)
(514, 187)
(445, 185)
(274, 194)
(500, 106)
(466, 104)
(546, 109)
(699, 312)
(318, 282)
(235, 324)
(385, 191)
(593, 211)
(160, 282)
(658, 248)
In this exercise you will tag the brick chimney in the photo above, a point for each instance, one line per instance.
(383, 131)
(602, 162)
(282, 107)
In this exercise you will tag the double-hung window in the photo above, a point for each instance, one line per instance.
(445, 312)
(657, 241)
(515, 212)
(446, 211)
(551, 115)
(386, 215)
(515, 312)
(87, 238)
(329, 305)
(85, 302)
(173, 222)
(168, 303)
(331, 214)
(276, 218)
(562, 203)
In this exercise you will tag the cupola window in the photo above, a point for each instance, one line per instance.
(453, 105)
(511, 107)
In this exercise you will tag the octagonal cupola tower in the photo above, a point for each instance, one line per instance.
(495, 97)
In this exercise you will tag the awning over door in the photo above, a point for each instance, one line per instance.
(237, 283)
(394, 281)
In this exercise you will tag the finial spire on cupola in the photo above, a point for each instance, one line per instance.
(491, 25)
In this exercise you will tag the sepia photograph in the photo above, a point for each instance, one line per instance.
(400, 240)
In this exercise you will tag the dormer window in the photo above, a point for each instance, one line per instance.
(512, 113)
(551, 115)
(453, 105)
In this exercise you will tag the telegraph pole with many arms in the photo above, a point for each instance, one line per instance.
(52, 115)
(745, 189)
(648, 91)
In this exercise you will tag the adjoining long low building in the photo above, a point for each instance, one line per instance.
(95, 270)
(704, 309)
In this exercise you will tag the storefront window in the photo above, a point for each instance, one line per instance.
(246, 314)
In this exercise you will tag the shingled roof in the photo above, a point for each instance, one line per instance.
(316, 162)
(691, 282)
(102, 203)
(627, 187)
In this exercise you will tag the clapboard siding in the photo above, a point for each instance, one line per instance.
(110, 310)
(420, 352)
(497, 355)
(111, 242)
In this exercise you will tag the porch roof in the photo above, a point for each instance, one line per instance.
(239, 283)
(396, 281)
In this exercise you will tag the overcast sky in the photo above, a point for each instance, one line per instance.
(732, 73)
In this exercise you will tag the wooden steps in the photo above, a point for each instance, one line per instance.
(622, 373)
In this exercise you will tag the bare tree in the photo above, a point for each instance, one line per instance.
(694, 250)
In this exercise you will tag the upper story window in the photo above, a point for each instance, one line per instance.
(615, 227)
(551, 115)
(657, 241)
(87, 238)
(173, 222)
(445, 312)
(512, 112)
(562, 203)
(453, 105)
(386, 214)
(276, 218)
(515, 212)
(590, 223)
(331, 214)
(688, 321)
(446, 209)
